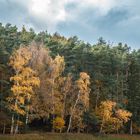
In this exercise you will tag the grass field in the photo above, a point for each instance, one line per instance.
(67, 137)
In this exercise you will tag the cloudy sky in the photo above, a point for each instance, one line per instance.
(114, 20)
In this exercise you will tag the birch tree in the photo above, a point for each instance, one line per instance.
(24, 80)
(112, 118)
(81, 102)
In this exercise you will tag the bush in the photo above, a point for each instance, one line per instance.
(58, 123)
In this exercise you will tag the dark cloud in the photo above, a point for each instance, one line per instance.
(119, 24)
(112, 19)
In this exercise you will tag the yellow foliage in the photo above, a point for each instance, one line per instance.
(21, 100)
(17, 90)
(20, 58)
(112, 118)
(58, 123)
(17, 109)
(16, 78)
(20, 123)
(105, 110)
(136, 128)
(123, 115)
(83, 85)
(58, 66)
(24, 80)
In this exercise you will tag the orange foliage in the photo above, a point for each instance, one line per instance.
(112, 118)
(58, 123)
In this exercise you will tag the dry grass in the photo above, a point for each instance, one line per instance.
(43, 136)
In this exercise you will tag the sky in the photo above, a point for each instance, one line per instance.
(114, 20)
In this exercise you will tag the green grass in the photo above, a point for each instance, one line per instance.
(67, 137)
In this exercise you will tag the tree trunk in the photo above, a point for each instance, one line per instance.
(52, 94)
(78, 131)
(64, 105)
(12, 125)
(69, 126)
(70, 120)
(4, 128)
(131, 128)
(27, 115)
(122, 95)
(117, 87)
(26, 121)
(1, 90)
(101, 128)
(16, 129)
(97, 97)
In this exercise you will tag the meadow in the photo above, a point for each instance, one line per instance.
(67, 137)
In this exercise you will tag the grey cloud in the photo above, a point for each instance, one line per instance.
(119, 24)
(14, 12)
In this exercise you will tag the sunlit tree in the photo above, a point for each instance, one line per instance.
(111, 116)
(24, 81)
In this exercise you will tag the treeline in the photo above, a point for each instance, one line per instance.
(52, 83)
